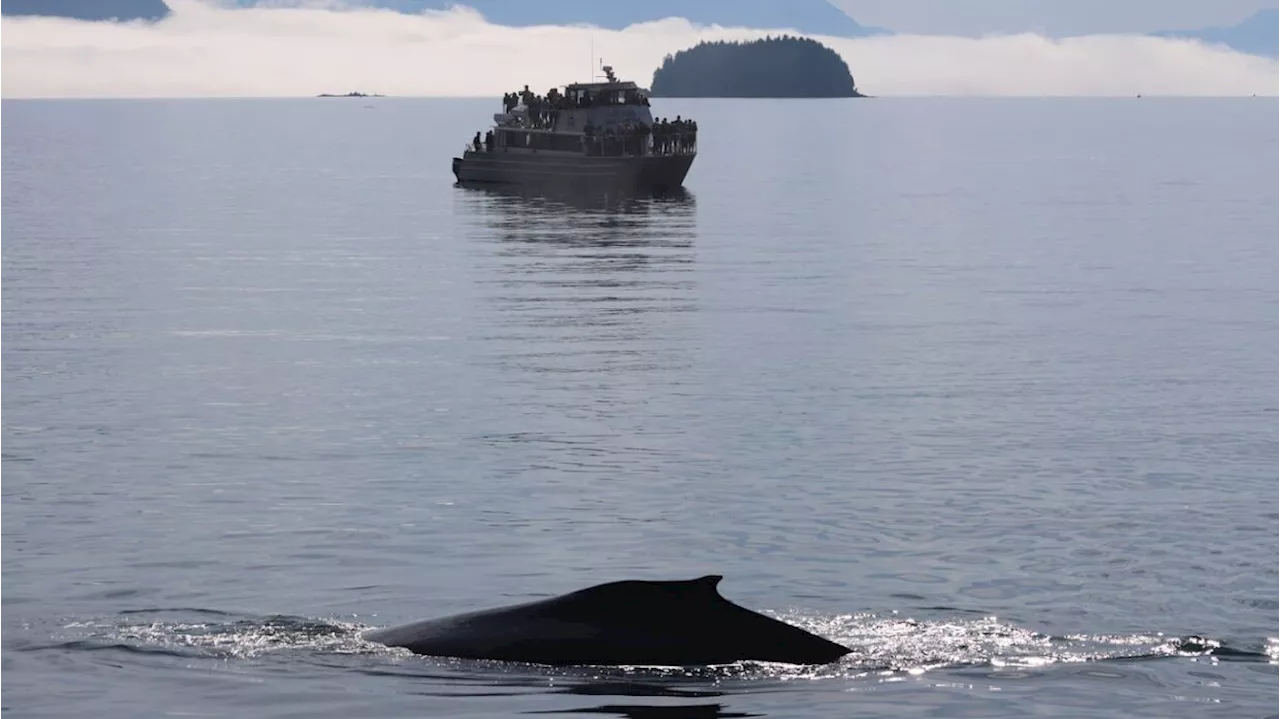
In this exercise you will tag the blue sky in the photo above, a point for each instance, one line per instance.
(1055, 18)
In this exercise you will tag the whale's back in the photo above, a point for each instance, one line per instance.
(620, 623)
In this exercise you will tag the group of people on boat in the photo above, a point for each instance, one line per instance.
(626, 138)
(676, 137)
(556, 100)
(630, 138)
(543, 109)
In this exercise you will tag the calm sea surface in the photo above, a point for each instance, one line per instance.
(984, 389)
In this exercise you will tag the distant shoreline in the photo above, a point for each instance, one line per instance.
(856, 94)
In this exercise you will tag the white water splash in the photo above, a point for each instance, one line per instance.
(880, 645)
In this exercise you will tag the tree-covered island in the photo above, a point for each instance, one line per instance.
(773, 67)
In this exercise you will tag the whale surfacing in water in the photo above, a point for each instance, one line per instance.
(640, 623)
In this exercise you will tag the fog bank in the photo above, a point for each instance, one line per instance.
(203, 50)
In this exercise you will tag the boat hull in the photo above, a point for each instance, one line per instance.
(644, 173)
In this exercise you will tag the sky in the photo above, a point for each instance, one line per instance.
(1055, 18)
(206, 51)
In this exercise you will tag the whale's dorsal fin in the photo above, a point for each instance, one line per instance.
(635, 589)
(709, 582)
(701, 586)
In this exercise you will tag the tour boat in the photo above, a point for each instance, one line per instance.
(590, 135)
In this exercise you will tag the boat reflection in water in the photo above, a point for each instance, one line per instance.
(588, 201)
(581, 286)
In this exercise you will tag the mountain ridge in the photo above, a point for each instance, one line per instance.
(814, 17)
(807, 16)
(1258, 34)
(88, 9)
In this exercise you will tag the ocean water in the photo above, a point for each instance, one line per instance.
(984, 389)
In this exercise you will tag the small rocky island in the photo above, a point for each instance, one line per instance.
(350, 94)
(783, 66)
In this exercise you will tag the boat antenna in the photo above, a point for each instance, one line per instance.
(591, 61)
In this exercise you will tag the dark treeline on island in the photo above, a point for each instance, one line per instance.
(773, 67)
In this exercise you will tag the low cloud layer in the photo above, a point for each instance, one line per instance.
(207, 51)
(1060, 18)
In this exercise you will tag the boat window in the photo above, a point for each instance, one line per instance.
(514, 138)
(561, 142)
(566, 143)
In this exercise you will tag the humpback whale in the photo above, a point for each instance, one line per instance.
(632, 622)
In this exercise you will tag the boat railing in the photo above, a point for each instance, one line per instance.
(675, 143)
(671, 143)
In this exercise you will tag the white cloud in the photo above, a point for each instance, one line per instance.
(1029, 64)
(205, 50)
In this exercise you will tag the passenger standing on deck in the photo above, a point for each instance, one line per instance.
(476, 142)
